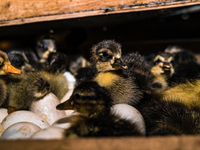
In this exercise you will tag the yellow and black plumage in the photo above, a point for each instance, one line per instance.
(5, 68)
(139, 71)
(93, 103)
(170, 117)
(107, 61)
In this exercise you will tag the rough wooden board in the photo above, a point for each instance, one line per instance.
(136, 143)
(15, 12)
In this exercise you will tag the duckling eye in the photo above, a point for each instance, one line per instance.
(18, 62)
(77, 96)
(105, 54)
(1, 63)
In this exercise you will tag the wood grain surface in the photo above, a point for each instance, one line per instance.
(15, 12)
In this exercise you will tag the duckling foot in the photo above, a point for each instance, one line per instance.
(10, 109)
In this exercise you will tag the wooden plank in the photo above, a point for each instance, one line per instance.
(15, 12)
(122, 143)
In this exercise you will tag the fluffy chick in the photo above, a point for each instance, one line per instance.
(93, 104)
(23, 59)
(107, 61)
(45, 45)
(5, 68)
(169, 117)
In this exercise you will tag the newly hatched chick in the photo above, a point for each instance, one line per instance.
(169, 117)
(56, 63)
(23, 89)
(93, 103)
(106, 58)
(139, 71)
(163, 68)
(23, 59)
(45, 45)
(5, 68)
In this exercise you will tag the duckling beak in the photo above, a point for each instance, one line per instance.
(67, 105)
(166, 67)
(10, 69)
(118, 64)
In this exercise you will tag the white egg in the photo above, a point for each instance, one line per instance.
(130, 113)
(24, 116)
(3, 113)
(46, 108)
(20, 130)
(49, 133)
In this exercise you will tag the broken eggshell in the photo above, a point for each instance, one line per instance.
(49, 133)
(46, 108)
(128, 112)
(24, 116)
(20, 130)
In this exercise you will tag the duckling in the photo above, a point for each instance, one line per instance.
(23, 89)
(56, 63)
(170, 117)
(107, 61)
(19, 59)
(93, 104)
(139, 70)
(78, 63)
(5, 68)
(163, 69)
(45, 45)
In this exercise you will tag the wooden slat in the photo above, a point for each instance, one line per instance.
(27, 11)
(135, 143)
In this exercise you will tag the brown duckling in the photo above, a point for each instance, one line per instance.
(107, 61)
(5, 68)
(93, 104)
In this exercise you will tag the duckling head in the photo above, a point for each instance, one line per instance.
(88, 99)
(106, 56)
(45, 46)
(173, 49)
(19, 60)
(163, 65)
(5, 65)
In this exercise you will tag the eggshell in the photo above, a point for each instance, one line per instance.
(3, 113)
(70, 78)
(24, 116)
(130, 113)
(46, 108)
(49, 133)
(20, 130)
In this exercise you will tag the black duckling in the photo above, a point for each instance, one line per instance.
(5, 68)
(45, 45)
(23, 59)
(139, 70)
(93, 103)
(78, 63)
(107, 61)
(56, 63)
(169, 117)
